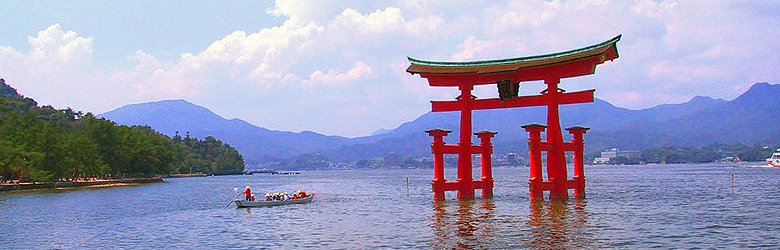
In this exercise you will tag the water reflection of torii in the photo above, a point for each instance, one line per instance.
(473, 225)
(470, 225)
(554, 225)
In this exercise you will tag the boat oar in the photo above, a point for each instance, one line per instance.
(231, 200)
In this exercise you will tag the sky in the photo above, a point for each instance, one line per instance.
(338, 67)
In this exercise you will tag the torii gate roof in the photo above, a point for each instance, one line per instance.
(571, 63)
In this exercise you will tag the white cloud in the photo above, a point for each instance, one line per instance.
(470, 47)
(381, 21)
(53, 45)
(359, 71)
(332, 58)
(654, 9)
(56, 70)
(264, 55)
(152, 79)
(425, 25)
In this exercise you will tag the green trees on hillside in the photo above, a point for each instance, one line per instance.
(208, 156)
(710, 153)
(46, 144)
(703, 154)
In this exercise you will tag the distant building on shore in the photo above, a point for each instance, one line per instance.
(511, 159)
(617, 156)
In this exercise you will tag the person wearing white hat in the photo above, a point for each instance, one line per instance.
(248, 193)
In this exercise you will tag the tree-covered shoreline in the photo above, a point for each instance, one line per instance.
(47, 144)
(704, 154)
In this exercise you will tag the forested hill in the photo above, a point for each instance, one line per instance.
(47, 144)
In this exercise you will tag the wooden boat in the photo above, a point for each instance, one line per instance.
(263, 203)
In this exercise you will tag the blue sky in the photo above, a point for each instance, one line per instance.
(337, 67)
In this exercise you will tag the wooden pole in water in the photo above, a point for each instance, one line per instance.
(732, 182)
(407, 186)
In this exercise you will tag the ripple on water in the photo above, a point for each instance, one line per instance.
(665, 206)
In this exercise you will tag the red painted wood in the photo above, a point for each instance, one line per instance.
(557, 182)
(520, 101)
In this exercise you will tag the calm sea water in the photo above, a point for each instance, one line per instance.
(668, 206)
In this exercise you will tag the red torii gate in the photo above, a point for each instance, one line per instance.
(507, 75)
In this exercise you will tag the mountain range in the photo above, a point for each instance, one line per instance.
(750, 118)
(257, 144)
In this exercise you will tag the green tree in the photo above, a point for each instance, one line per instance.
(46, 144)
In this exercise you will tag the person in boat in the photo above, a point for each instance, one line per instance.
(301, 193)
(268, 197)
(285, 197)
(248, 193)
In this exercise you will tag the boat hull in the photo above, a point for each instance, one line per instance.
(245, 203)
(774, 161)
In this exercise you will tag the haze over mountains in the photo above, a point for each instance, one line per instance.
(257, 144)
(750, 118)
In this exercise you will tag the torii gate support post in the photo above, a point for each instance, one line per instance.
(437, 148)
(578, 146)
(486, 148)
(536, 183)
(535, 180)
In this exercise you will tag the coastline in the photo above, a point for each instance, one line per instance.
(66, 185)
(199, 174)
